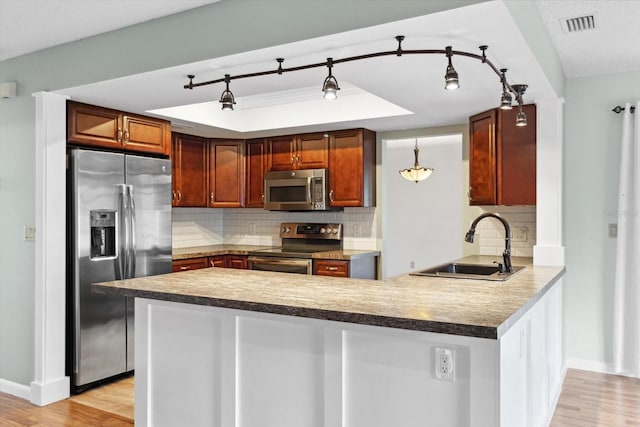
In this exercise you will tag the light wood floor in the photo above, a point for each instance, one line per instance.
(588, 399)
(594, 399)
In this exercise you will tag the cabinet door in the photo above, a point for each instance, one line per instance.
(189, 164)
(482, 159)
(516, 158)
(146, 134)
(312, 151)
(226, 174)
(324, 267)
(236, 261)
(256, 167)
(281, 153)
(217, 261)
(352, 168)
(91, 125)
(189, 264)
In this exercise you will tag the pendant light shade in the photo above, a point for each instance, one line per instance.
(330, 86)
(416, 173)
(505, 101)
(521, 119)
(227, 99)
(451, 75)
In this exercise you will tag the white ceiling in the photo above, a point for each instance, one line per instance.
(410, 86)
(613, 46)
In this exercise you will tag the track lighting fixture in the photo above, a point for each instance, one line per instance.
(505, 101)
(451, 76)
(227, 100)
(330, 86)
(416, 173)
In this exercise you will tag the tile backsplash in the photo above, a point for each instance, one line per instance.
(522, 220)
(197, 227)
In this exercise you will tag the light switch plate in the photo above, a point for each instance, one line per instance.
(29, 232)
(519, 234)
(613, 231)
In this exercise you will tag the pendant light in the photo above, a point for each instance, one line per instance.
(416, 173)
(505, 101)
(330, 86)
(451, 75)
(227, 99)
(521, 117)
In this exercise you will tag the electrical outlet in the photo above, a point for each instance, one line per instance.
(29, 232)
(356, 230)
(445, 364)
(252, 228)
(412, 264)
(519, 234)
(613, 231)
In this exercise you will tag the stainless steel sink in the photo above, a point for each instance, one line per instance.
(469, 271)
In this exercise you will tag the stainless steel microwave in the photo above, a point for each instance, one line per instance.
(297, 190)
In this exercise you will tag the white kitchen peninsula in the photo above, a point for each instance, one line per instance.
(221, 347)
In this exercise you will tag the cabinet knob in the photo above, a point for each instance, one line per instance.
(262, 197)
(331, 195)
(469, 194)
(184, 267)
(332, 268)
(119, 137)
(212, 197)
(173, 195)
(179, 195)
(298, 158)
(293, 159)
(126, 135)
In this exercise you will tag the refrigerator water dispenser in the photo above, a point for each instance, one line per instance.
(103, 234)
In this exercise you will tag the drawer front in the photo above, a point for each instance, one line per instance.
(331, 268)
(189, 264)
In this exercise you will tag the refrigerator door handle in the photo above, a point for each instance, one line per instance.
(121, 259)
(131, 273)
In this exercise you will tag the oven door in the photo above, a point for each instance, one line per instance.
(283, 265)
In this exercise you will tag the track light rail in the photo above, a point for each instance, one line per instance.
(451, 76)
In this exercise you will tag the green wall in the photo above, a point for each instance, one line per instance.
(591, 157)
(224, 28)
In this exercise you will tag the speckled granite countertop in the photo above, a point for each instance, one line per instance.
(213, 250)
(477, 308)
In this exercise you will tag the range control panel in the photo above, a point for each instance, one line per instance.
(294, 230)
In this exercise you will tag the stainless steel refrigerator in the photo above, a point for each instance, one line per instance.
(119, 216)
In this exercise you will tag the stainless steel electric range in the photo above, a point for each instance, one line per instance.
(300, 243)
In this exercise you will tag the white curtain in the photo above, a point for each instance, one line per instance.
(626, 325)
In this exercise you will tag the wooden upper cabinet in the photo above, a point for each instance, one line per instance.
(189, 171)
(482, 159)
(256, 166)
(502, 158)
(281, 153)
(146, 134)
(306, 151)
(352, 168)
(312, 151)
(113, 129)
(91, 125)
(226, 173)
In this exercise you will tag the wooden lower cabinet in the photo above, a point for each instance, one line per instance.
(189, 264)
(360, 268)
(220, 261)
(324, 267)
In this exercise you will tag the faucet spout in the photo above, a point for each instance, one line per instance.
(507, 267)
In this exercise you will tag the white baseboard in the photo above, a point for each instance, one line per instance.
(19, 390)
(53, 391)
(590, 365)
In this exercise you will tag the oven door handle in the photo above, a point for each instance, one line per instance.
(306, 263)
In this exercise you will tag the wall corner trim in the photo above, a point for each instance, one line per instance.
(43, 394)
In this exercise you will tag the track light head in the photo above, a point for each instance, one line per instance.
(330, 86)
(521, 119)
(227, 99)
(506, 99)
(451, 76)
